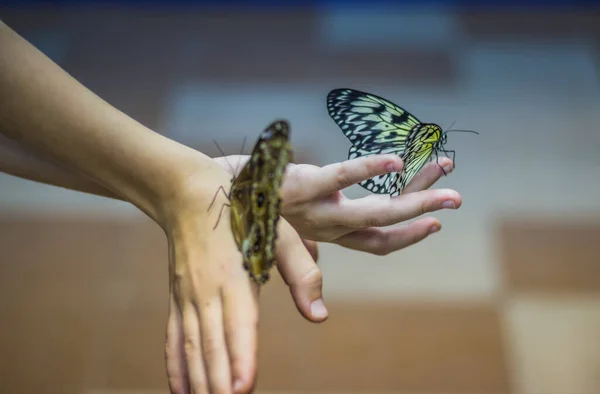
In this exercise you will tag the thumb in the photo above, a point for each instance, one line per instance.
(300, 272)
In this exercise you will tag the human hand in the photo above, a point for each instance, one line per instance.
(211, 343)
(315, 206)
(211, 330)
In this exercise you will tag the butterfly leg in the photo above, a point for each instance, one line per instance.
(453, 156)
(220, 212)
(215, 197)
(438, 163)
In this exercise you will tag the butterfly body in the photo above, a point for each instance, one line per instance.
(375, 125)
(255, 201)
(427, 140)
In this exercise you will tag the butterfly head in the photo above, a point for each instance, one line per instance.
(430, 133)
(443, 139)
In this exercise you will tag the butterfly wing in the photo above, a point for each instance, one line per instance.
(379, 184)
(259, 202)
(374, 126)
(413, 165)
(370, 122)
(241, 212)
(418, 153)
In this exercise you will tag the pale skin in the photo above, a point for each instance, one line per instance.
(56, 131)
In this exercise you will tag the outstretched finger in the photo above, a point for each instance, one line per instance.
(300, 273)
(378, 211)
(382, 241)
(429, 175)
(337, 176)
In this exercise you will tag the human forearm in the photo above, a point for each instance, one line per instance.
(18, 161)
(46, 110)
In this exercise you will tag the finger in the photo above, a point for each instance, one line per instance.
(240, 310)
(338, 176)
(381, 242)
(429, 175)
(313, 249)
(301, 274)
(175, 352)
(193, 351)
(214, 349)
(380, 211)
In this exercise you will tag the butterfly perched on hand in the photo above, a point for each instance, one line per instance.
(255, 201)
(375, 125)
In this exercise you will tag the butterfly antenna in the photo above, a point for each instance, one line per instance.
(464, 131)
(241, 153)
(223, 154)
(451, 124)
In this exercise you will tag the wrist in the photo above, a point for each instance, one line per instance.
(185, 191)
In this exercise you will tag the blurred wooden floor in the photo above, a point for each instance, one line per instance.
(83, 308)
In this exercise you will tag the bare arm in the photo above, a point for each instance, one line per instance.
(18, 161)
(49, 112)
(47, 116)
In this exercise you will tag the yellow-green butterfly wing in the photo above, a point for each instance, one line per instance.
(427, 141)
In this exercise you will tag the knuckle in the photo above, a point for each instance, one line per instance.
(313, 277)
(375, 165)
(413, 239)
(178, 279)
(382, 250)
(374, 221)
(210, 349)
(191, 346)
(310, 221)
(422, 209)
(383, 246)
(342, 178)
(170, 350)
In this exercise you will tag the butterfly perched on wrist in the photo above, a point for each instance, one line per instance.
(255, 201)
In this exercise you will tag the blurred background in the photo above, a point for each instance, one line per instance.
(504, 300)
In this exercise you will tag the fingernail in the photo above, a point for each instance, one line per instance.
(393, 166)
(434, 229)
(317, 308)
(448, 169)
(237, 385)
(448, 204)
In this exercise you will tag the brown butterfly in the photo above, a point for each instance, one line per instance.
(255, 201)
